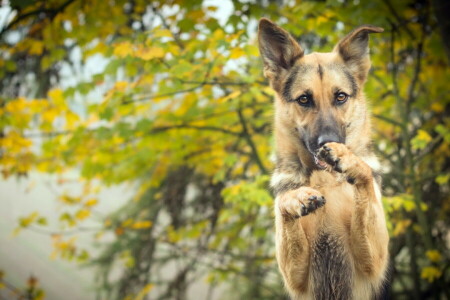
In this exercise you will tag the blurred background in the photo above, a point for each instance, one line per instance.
(135, 144)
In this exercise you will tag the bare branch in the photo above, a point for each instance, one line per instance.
(141, 98)
(52, 12)
(250, 142)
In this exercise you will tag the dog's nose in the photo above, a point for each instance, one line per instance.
(328, 137)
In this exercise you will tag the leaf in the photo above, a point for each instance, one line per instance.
(150, 53)
(232, 95)
(251, 50)
(141, 225)
(421, 140)
(401, 226)
(27, 221)
(442, 179)
(430, 273)
(57, 98)
(434, 256)
(237, 53)
(162, 32)
(91, 202)
(123, 49)
(42, 221)
(69, 199)
(144, 291)
(444, 132)
(36, 47)
(82, 214)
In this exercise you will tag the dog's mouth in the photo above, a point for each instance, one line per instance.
(319, 163)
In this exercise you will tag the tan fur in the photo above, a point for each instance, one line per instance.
(353, 214)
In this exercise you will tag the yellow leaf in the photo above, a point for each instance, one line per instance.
(437, 107)
(150, 53)
(120, 86)
(321, 19)
(49, 115)
(172, 235)
(211, 8)
(236, 53)
(91, 202)
(421, 140)
(434, 255)
(71, 120)
(16, 105)
(147, 288)
(423, 135)
(430, 273)
(14, 142)
(401, 227)
(82, 214)
(142, 224)
(127, 222)
(56, 96)
(36, 47)
(69, 199)
(252, 50)
(232, 95)
(26, 221)
(123, 49)
(218, 34)
(268, 90)
(162, 32)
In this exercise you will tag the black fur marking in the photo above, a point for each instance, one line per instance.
(331, 270)
(288, 85)
(352, 82)
(286, 185)
(314, 203)
(297, 73)
(290, 166)
(320, 71)
(377, 176)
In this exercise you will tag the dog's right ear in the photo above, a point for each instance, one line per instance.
(278, 48)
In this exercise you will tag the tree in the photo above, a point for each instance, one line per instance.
(185, 117)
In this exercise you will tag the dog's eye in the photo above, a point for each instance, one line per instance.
(304, 100)
(341, 98)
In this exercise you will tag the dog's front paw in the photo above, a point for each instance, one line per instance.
(342, 160)
(300, 202)
(335, 155)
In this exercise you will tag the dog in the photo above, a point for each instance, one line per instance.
(331, 234)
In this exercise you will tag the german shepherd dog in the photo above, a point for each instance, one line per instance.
(331, 235)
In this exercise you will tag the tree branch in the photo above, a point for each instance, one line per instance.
(141, 98)
(249, 140)
(176, 36)
(399, 19)
(187, 126)
(52, 12)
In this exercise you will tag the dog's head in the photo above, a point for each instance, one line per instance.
(319, 95)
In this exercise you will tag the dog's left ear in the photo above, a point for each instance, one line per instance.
(354, 50)
(278, 49)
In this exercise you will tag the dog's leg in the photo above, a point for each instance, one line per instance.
(368, 235)
(292, 245)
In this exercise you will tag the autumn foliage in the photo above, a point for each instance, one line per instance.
(169, 98)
